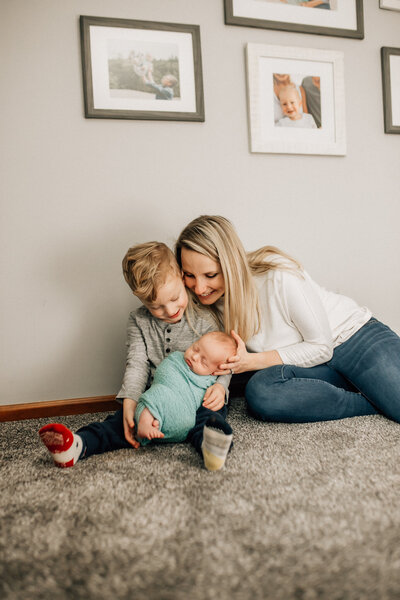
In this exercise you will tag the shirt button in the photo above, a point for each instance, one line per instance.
(168, 339)
(169, 330)
(168, 350)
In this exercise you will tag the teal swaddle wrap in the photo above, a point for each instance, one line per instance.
(174, 397)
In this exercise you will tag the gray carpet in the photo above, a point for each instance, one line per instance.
(300, 512)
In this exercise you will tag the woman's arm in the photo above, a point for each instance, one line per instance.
(301, 308)
(304, 310)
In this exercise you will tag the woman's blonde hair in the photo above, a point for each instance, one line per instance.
(215, 237)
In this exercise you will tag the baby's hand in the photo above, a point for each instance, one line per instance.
(214, 398)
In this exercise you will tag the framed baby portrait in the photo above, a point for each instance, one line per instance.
(295, 100)
(391, 88)
(141, 70)
(343, 18)
(390, 4)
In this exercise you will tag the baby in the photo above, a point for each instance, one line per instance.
(290, 101)
(167, 410)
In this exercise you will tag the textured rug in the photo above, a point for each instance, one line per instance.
(302, 512)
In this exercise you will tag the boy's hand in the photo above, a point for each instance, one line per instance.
(214, 398)
(129, 424)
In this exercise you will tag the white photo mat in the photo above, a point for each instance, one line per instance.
(102, 37)
(265, 60)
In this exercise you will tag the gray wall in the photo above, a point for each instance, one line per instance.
(77, 192)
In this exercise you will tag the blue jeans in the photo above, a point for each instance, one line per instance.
(362, 378)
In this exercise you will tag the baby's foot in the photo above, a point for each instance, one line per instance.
(150, 431)
(217, 442)
(64, 446)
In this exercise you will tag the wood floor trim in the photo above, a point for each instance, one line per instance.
(54, 408)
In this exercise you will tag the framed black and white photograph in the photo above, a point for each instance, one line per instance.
(295, 100)
(343, 18)
(391, 88)
(390, 4)
(141, 70)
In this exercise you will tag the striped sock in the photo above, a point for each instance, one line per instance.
(64, 446)
(216, 444)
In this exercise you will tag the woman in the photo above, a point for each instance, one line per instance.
(316, 355)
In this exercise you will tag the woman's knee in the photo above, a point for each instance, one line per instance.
(261, 396)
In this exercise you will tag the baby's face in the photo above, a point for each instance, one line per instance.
(205, 355)
(290, 103)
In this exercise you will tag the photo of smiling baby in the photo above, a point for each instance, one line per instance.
(297, 101)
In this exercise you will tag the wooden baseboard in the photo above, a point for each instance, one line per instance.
(75, 406)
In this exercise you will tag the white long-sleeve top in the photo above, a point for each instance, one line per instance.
(301, 320)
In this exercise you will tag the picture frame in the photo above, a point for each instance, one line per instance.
(343, 18)
(390, 60)
(390, 4)
(141, 70)
(296, 100)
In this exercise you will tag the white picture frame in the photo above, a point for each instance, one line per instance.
(272, 126)
(390, 4)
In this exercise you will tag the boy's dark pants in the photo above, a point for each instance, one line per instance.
(108, 435)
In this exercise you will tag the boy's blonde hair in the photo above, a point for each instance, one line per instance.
(146, 267)
(215, 237)
(171, 79)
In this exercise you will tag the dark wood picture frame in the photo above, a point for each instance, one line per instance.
(386, 53)
(390, 5)
(358, 33)
(194, 76)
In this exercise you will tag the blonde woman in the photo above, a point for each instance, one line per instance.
(313, 355)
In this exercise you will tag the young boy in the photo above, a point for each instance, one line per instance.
(167, 410)
(164, 90)
(155, 329)
(290, 100)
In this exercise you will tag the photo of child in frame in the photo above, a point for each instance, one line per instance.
(297, 101)
(143, 70)
(321, 4)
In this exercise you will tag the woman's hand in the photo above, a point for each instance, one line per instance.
(240, 362)
(248, 361)
(129, 424)
(214, 398)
